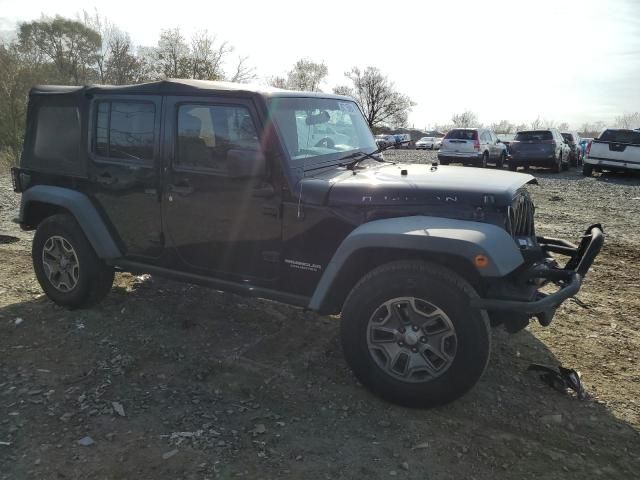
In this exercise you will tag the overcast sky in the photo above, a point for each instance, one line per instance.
(572, 60)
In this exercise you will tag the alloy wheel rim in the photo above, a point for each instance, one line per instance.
(61, 265)
(411, 339)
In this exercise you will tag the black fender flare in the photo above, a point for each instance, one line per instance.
(462, 238)
(80, 206)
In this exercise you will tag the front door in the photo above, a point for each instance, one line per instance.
(219, 223)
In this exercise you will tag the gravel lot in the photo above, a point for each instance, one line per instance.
(170, 380)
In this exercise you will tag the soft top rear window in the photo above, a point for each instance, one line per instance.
(534, 136)
(462, 134)
(621, 136)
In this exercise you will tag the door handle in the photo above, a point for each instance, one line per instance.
(105, 178)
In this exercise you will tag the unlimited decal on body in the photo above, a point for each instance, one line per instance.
(311, 267)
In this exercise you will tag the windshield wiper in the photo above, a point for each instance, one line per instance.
(363, 155)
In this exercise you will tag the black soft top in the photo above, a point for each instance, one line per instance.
(179, 87)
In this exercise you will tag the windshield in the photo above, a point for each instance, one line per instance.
(568, 137)
(534, 136)
(426, 139)
(321, 128)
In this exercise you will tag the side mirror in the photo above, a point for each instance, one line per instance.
(246, 163)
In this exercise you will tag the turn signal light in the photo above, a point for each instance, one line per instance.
(481, 261)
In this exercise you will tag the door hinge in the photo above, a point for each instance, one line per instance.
(271, 210)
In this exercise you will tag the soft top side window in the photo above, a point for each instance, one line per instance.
(57, 135)
(125, 130)
(209, 136)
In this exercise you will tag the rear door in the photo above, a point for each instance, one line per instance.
(125, 171)
(217, 223)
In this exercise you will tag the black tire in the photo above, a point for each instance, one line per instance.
(575, 160)
(444, 162)
(564, 165)
(587, 169)
(94, 277)
(557, 165)
(485, 160)
(431, 284)
(513, 167)
(503, 158)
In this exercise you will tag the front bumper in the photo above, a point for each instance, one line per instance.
(568, 278)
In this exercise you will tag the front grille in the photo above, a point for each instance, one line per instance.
(521, 213)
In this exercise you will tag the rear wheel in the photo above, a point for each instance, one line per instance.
(485, 160)
(557, 165)
(410, 334)
(66, 266)
(513, 167)
(587, 169)
(444, 162)
(503, 158)
(575, 160)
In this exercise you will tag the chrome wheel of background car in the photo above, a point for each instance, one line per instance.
(60, 263)
(411, 339)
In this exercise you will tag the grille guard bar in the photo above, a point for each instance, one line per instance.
(569, 278)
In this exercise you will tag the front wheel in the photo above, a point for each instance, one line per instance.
(587, 169)
(411, 336)
(66, 266)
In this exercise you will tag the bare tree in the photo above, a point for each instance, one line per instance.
(537, 123)
(503, 126)
(305, 75)
(628, 120)
(243, 73)
(106, 29)
(207, 57)
(378, 98)
(563, 126)
(122, 65)
(465, 119)
(172, 55)
(592, 129)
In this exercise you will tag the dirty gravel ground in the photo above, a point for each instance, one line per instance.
(175, 381)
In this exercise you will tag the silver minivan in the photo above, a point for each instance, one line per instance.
(472, 146)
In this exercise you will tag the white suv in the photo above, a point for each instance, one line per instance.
(475, 146)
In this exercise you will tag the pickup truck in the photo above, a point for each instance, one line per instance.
(616, 149)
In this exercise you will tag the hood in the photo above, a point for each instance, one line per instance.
(412, 184)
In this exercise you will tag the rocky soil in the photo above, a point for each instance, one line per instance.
(168, 380)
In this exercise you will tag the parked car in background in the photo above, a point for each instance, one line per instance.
(475, 146)
(384, 140)
(402, 140)
(573, 139)
(616, 149)
(542, 148)
(583, 145)
(431, 143)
